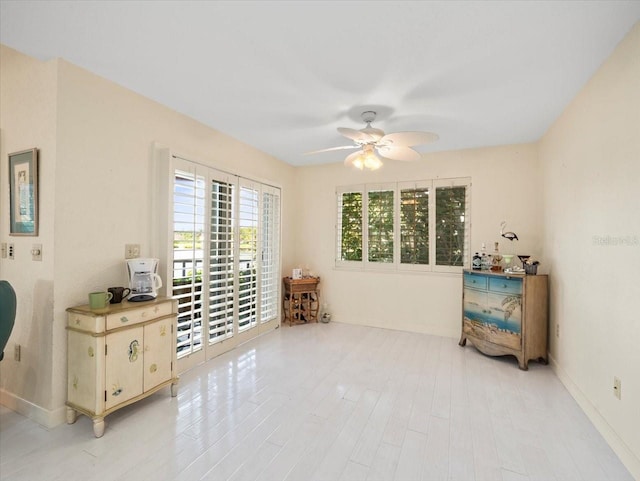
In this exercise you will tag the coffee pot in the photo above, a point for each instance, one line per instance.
(144, 280)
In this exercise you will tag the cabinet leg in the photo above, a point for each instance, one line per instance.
(72, 415)
(463, 341)
(523, 365)
(174, 389)
(98, 427)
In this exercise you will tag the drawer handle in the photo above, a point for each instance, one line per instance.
(143, 314)
(473, 281)
(504, 285)
(124, 319)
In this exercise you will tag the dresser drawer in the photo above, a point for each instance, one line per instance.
(475, 281)
(505, 286)
(135, 316)
(85, 322)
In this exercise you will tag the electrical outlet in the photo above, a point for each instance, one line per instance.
(4, 250)
(16, 352)
(11, 252)
(557, 330)
(617, 388)
(131, 251)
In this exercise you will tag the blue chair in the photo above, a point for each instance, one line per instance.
(7, 314)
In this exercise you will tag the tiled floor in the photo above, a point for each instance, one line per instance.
(331, 402)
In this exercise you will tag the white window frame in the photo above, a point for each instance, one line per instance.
(397, 187)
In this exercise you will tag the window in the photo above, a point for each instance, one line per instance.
(450, 225)
(380, 225)
(408, 225)
(414, 225)
(350, 233)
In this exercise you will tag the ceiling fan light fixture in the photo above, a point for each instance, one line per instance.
(366, 158)
(372, 162)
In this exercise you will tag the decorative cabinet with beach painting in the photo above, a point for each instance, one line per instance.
(506, 314)
(119, 355)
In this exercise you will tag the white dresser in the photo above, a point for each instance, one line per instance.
(119, 355)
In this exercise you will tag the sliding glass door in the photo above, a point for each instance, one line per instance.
(225, 260)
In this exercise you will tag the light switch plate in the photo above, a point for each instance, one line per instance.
(36, 252)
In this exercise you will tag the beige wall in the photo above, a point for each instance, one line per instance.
(101, 138)
(28, 112)
(505, 186)
(590, 161)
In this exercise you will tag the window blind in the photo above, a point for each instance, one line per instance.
(247, 277)
(188, 261)
(270, 236)
(221, 261)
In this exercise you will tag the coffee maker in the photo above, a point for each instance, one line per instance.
(144, 280)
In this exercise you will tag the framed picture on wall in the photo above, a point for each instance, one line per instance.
(23, 192)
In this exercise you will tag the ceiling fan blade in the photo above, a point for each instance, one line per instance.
(406, 154)
(342, 147)
(349, 160)
(407, 139)
(356, 135)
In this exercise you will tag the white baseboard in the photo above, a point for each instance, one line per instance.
(48, 419)
(630, 460)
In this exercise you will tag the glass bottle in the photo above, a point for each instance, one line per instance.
(496, 265)
(485, 260)
(476, 264)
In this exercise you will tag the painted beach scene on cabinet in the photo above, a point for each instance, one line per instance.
(492, 309)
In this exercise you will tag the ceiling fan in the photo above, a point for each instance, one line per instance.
(394, 146)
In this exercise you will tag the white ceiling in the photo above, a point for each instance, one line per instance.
(282, 76)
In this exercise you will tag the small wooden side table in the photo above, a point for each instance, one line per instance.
(301, 300)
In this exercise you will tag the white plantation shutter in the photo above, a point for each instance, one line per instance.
(221, 258)
(270, 236)
(188, 256)
(452, 224)
(414, 239)
(248, 217)
(221, 245)
(419, 226)
(349, 225)
(380, 224)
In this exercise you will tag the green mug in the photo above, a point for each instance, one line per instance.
(99, 300)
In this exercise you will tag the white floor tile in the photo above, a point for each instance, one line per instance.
(331, 402)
